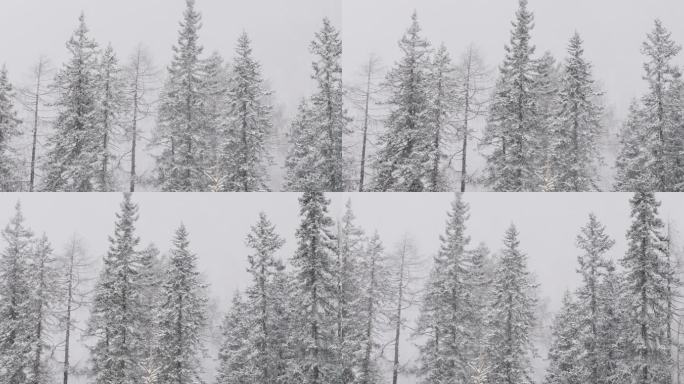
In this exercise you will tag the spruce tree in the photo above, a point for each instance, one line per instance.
(512, 127)
(180, 130)
(302, 164)
(236, 365)
(73, 159)
(645, 281)
(110, 109)
(566, 350)
(9, 129)
(315, 295)
(15, 301)
(633, 156)
(245, 155)
(182, 316)
(402, 161)
(511, 316)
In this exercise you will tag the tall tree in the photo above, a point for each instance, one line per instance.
(9, 129)
(180, 125)
(72, 162)
(245, 154)
(36, 97)
(15, 301)
(577, 126)
(313, 265)
(110, 109)
(401, 163)
(646, 290)
(511, 129)
(633, 156)
(182, 316)
(566, 349)
(512, 316)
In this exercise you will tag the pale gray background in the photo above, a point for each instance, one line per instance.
(218, 224)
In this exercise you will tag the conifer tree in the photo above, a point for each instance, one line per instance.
(245, 155)
(314, 274)
(512, 316)
(72, 162)
(648, 349)
(577, 127)
(235, 363)
(633, 157)
(566, 350)
(110, 109)
(302, 162)
(9, 124)
(15, 301)
(403, 159)
(180, 130)
(512, 125)
(182, 316)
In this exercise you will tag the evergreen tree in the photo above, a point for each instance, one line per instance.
(404, 158)
(182, 316)
(315, 295)
(245, 153)
(566, 350)
(577, 127)
(633, 157)
(511, 317)
(180, 130)
(15, 301)
(215, 87)
(9, 123)
(110, 109)
(512, 127)
(646, 294)
(302, 162)
(117, 308)
(73, 159)
(236, 365)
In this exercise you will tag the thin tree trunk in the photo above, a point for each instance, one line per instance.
(365, 127)
(39, 74)
(466, 114)
(134, 136)
(397, 333)
(70, 281)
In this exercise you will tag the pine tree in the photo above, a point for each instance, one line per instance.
(545, 86)
(566, 350)
(646, 291)
(451, 302)
(512, 124)
(15, 301)
(303, 161)
(72, 162)
(512, 316)
(577, 127)
(182, 316)
(180, 128)
(117, 310)
(236, 365)
(9, 123)
(215, 87)
(43, 281)
(661, 105)
(633, 156)
(110, 110)
(443, 103)
(313, 266)
(403, 160)
(245, 153)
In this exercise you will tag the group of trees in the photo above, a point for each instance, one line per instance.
(335, 311)
(544, 120)
(214, 120)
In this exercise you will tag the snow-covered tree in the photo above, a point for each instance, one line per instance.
(315, 283)
(181, 316)
(73, 159)
(236, 362)
(633, 156)
(9, 129)
(245, 154)
(302, 164)
(566, 352)
(110, 106)
(179, 128)
(648, 349)
(16, 327)
(117, 310)
(577, 124)
(402, 161)
(511, 316)
(512, 126)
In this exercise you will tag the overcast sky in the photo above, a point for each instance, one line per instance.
(218, 224)
(280, 31)
(613, 31)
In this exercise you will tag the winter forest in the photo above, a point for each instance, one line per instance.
(323, 298)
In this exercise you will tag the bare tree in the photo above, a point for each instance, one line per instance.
(75, 265)
(140, 79)
(473, 78)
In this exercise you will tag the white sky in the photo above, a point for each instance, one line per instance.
(613, 31)
(280, 31)
(218, 224)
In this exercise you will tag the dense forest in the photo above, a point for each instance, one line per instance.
(213, 120)
(534, 122)
(337, 309)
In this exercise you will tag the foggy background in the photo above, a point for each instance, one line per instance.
(219, 223)
(613, 33)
